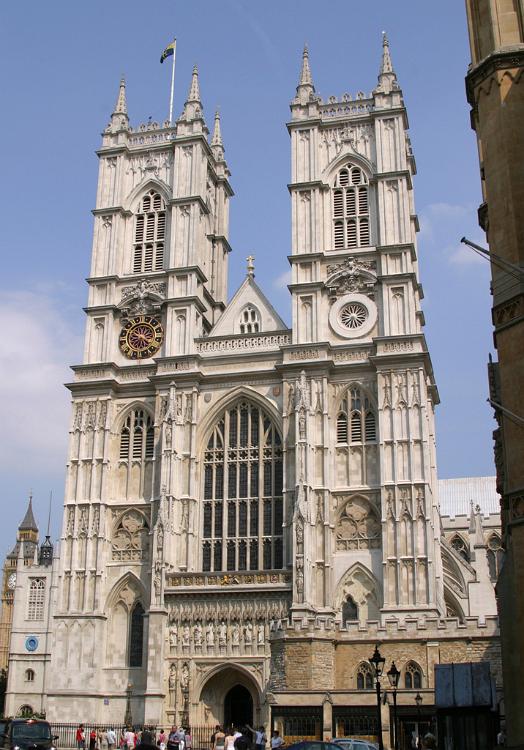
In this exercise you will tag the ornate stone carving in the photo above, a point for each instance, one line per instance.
(130, 538)
(142, 298)
(358, 525)
(351, 276)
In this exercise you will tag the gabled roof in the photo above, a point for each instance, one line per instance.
(456, 495)
(248, 293)
(28, 523)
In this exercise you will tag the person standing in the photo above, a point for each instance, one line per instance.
(147, 740)
(218, 739)
(260, 737)
(276, 740)
(161, 742)
(80, 737)
(242, 742)
(130, 738)
(111, 739)
(172, 740)
(92, 739)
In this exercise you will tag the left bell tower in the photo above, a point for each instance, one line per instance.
(158, 282)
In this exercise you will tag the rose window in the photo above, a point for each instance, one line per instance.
(353, 315)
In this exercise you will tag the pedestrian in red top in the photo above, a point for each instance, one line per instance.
(80, 737)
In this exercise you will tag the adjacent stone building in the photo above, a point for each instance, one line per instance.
(251, 508)
(496, 96)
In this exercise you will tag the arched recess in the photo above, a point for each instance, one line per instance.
(360, 584)
(358, 524)
(213, 686)
(241, 392)
(127, 594)
(134, 468)
(453, 576)
(453, 605)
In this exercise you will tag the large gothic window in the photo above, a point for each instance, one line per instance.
(137, 439)
(150, 228)
(460, 546)
(364, 677)
(351, 209)
(412, 676)
(356, 421)
(243, 507)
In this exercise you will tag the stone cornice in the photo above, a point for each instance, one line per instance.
(511, 57)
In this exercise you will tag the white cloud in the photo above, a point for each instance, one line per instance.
(283, 280)
(442, 225)
(39, 345)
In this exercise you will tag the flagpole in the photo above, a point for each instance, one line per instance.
(172, 85)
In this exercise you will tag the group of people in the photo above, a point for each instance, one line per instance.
(241, 738)
(177, 739)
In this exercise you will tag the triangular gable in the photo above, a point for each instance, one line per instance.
(249, 293)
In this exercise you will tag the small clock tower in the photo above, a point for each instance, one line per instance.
(28, 536)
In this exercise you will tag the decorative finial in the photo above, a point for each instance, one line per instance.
(217, 135)
(121, 102)
(386, 65)
(250, 266)
(305, 73)
(194, 91)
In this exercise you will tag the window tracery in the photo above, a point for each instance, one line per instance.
(351, 208)
(243, 506)
(150, 226)
(495, 556)
(131, 537)
(136, 635)
(412, 676)
(364, 677)
(460, 546)
(358, 526)
(137, 438)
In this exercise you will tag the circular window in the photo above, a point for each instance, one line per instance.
(353, 315)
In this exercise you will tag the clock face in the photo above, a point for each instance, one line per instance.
(141, 337)
(11, 581)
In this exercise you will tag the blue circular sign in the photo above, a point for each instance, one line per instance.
(31, 643)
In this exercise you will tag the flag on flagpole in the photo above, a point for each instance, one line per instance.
(169, 50)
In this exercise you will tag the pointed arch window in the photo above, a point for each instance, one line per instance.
(460, 546)
(137, 438)
(136, 635)
(243, 505)
(412, 676)
(364, 677)
(495, 556)
(150, 230)
(249, 320)
(356, 419)
(351, 208)
(30, 675)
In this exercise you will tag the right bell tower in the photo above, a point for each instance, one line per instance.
(357, 320)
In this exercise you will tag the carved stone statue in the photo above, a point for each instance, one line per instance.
(184, 677)
(222, 633)
(172, 677)
(186, 635)
(210, 634)
(198, 634)
(261, 635)
(173, 635)
(248, 633)
(235, 634)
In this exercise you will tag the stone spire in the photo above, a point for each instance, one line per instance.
(28, 523)
(217, 145)
(305, 88)
(119, 117)
(387, 78)
(193, 105)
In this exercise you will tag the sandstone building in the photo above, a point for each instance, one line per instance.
(250, 508)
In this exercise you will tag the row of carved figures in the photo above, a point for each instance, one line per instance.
(210, 633)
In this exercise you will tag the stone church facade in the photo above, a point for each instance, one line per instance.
(250, 508)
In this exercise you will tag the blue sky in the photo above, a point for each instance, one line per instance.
(60, 66)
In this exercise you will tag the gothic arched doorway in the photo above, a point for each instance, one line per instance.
(238, 707)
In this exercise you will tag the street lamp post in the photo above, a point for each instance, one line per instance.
(377, 661)
(393, 677)
(128, 718)
(418, 701)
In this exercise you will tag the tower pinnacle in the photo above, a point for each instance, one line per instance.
(119, 117)
(305, 73)
(194, 91)
(193, 105)
(387, 78)
(217, 145)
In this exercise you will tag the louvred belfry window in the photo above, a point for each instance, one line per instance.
(150, 229)
(351, 209)
(356, 419)
(137, 438)
(243, 506)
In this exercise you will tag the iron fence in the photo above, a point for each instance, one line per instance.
(66, 733)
